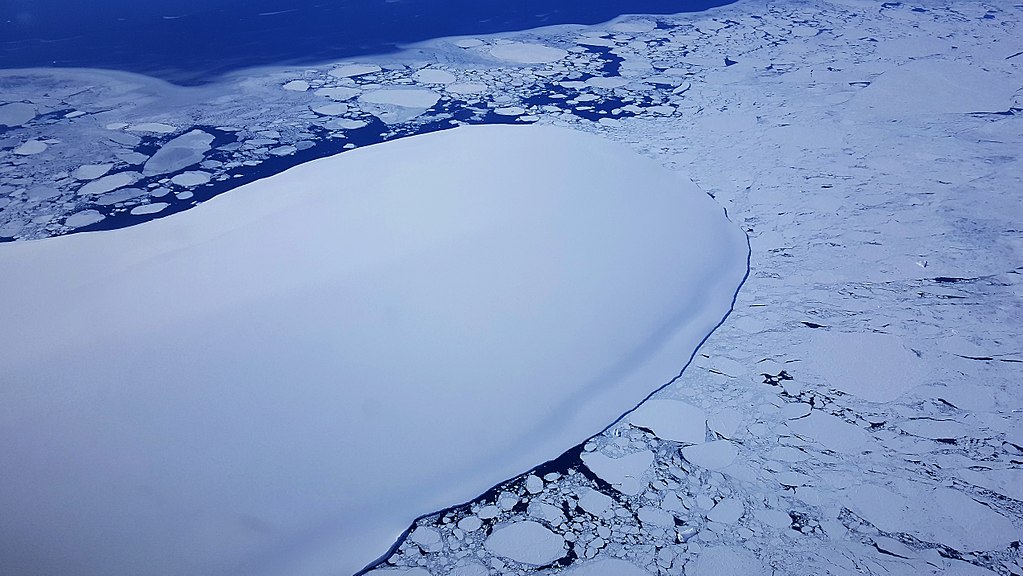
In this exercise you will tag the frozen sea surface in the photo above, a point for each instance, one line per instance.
(859, 408)
(194, 41)
(279, 380)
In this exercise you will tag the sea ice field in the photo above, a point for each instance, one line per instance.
(727, 292)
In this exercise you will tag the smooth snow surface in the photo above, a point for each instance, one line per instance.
(279, 380)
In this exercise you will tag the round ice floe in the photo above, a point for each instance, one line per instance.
(16, 113)
(108, 183)
(149, 208)
(527, 542)
(83, 218)
(181, 152)
(310, 328)
(154, 127)
(468, 42)
(607, 82)
(31, 148)
(523, 53)
(91, 171)
(606, 567)
(428, 538)
(466, 88)
(510, 111)
(401, 572)
(296, 86)
(119, 195)
(874, 367)
(672, 420)
(338, 93)
(726, 511)
(331, 109)
(725, 561)
(711, 455)
(352, 70)
(624, 473)
(434, 76)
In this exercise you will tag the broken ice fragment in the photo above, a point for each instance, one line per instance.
(179, 153)
(527, 542)
(623, 473)
(712, 455)
(672, 420)
(523, 53)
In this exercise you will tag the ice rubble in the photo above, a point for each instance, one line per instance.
(290, 372)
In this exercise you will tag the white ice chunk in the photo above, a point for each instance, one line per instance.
(336, 109)
(31, 148)
(524, 53)
(466, 88)
(434, 76)
(672, 420)
(309, 328)
(727, 511)
(181, 152)
(624, 473)
(774, 518)
(470, 524)
(935, 429)
(296, 86)
(108, 183)
(830, 431)
(655, 516)
(469, 569)
(119, 195)
(711, 455)
(940, 515)
(725, 421)
(154, 127)
(1008, 482)
(726, 561)
(83, 218)
(16, 113)
(936, 86)
(352, 70)
(400, 572)
(594, 502)
(427, 537)
(406, 97)
(606, 567)
(338, 93)
(527, 542)
(468, 42)
(191, 178)
(607, 82)
(149, 208)
(874, 367)
(91, 171)
(510, 111)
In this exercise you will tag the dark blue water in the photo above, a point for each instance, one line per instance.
(194, 41)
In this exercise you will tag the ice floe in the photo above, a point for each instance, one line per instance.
(524, 53)
(359, 276)
(527, 542)
(16, 113)
(181, 152)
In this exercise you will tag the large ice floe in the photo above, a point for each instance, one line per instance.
(280, 380)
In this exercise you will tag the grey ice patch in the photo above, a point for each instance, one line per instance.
(179, 153)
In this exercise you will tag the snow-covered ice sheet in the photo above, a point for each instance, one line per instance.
(279, 380)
